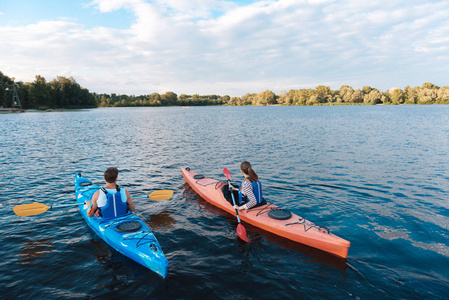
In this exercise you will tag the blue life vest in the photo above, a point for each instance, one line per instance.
(257, 190)
(114, 207)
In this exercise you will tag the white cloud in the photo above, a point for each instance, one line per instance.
(220, 47)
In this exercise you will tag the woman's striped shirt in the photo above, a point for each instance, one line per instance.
(247, 190)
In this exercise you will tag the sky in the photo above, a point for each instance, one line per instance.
(225, 47)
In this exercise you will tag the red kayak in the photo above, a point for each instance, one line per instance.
(270, 217)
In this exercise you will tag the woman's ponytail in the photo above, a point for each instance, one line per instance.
(246, 168)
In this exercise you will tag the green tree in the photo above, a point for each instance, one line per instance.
(265, 97)
(357, 96)
(411, 95)
(346, 94)
(184, 99)
(430, 86)
(235, 101)
(155, 99)
(40, 93)
(427, 96)
(312, 100)
(196, 99)
(374, 97)
(169, 98)
(105, 101)
(323, 94)
(366, 90)
(6, 87)
(291, 98)
(249, 99)
(66, 92)
(300, 97)
(226, 99)
(396, 96)
(443, 95)
(57, 93)
(283, 97)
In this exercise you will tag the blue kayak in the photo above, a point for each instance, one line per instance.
(127, 234)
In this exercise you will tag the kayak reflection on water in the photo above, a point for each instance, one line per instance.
(162, 220)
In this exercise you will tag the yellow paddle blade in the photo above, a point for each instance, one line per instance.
(161, 195)
(30, 209)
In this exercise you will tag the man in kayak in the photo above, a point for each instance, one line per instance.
(110, 201)
(250, 190)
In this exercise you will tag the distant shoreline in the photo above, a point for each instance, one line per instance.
(66, 93)
(32, 110)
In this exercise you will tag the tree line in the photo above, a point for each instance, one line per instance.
(156, 99)
(65, 92)
(428, 93)
(61, 92)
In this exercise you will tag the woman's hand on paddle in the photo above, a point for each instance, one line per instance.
(239, 207)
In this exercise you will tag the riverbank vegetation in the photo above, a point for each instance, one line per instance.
(61, 92)
(65, 92)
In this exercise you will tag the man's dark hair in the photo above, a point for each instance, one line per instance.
(110, 175)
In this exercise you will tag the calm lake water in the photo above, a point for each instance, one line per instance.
(374, 175)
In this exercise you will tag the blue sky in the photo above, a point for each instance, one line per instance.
(226, 47)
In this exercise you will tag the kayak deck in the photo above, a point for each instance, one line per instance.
(294, 228)
(135, 241)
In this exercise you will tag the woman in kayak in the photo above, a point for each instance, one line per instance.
(111, 201)
(250, 188)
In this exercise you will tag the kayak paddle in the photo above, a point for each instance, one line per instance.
(241, 231)
(158, 195)
(32, 209)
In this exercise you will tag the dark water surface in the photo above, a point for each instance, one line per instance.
(374, 175)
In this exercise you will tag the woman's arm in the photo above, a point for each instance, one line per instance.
(247, 190)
